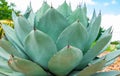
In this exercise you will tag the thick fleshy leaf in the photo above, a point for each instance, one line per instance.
(94, 51)
(11, 36)
(78, 14)
(65, 60)
(28, 11)
(27, 67)
(41, 11)
(92, 69)
(14, 16)
(31, 18)
(52, 23)
(93, 31)
(110, 62)
(85, 9)
(110, 58)
(2, 74)
(92, 20)
(95, 25)
(22, 27)
(17, 74)
(108, 31)
(4, 68)
(112, 55)
(96, 60)
(110, 73)
(8, 47)
(65, 9)
(4, 54)
(75, 35)
(39, 47)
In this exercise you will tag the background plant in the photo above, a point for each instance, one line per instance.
(114, 45)
(6, 10)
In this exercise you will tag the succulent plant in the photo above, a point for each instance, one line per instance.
(55, 42)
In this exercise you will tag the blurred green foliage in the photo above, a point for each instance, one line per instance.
(115, 42)
(111, 47)
(6, 10)
(114, 45)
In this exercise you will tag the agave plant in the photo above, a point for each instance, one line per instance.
(55, 42)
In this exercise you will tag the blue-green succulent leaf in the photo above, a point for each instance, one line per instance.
(41, 11)
(52, 23)
(13, 39)
(5, 70)
(1, 74)
(110, 58)
(112, 55)
(31, 18)
(4, 73)
(4, 66)
(75, 35)
(28, 11)
(4, 54)
(92, 69)
(8, 47)
(27, 67)
(110, 73)
(85, 9)
(78, 14)
(92, 20)
(94, 51)
(11, 35)
(17, 74)
(65, 60)
(22, 27)
(14, 16)
(39, 47)
(110, 62)
(65, 9)
(93, 31)
(108, 31)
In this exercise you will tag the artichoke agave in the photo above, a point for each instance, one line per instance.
(55, 42)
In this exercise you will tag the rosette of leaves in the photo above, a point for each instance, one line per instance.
(55, 42)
